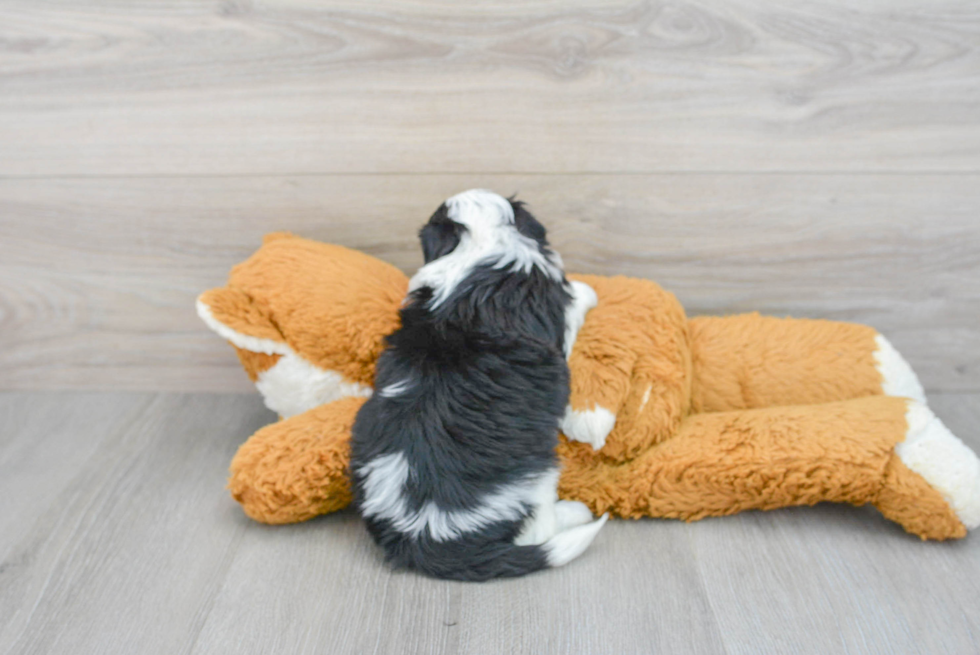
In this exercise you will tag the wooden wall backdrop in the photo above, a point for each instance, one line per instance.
(813, 158)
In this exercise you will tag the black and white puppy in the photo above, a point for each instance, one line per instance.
(453, 458)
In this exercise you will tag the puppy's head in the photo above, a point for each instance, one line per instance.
(483, 218)
(481, 229)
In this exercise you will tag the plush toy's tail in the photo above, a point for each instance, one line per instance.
(481, 561)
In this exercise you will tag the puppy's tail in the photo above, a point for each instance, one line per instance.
(507, 560)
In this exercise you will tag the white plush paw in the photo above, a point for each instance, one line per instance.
(571, 513)
(590, 426)
(944, 461)
(897, 377)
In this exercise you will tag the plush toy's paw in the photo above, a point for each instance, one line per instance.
(590, 426)
(945, 462)
(571, 513)
(295, 469)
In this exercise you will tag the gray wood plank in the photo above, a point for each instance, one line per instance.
(839, 579)
(154, 88)
(36, 456)
(44, 442)
(98, 276)
(323, 587)
(139, 549)
(127, 556)
(637, 590)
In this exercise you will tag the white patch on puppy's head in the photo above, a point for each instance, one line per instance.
(479, 227)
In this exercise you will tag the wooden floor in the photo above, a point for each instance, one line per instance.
(818, 158)
(116, 536)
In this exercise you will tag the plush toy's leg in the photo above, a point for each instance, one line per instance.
(931, 459)
(725, 462)
(750, 361)
(600, 385)
(296, 469)
(631, 359)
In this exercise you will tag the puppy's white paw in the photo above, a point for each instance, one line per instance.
(590, 426)
(571, 513)
(566, 546)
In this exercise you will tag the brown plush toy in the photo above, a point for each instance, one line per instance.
(668, 417)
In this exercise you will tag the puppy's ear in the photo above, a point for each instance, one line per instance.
(526, 224)
(440, 236)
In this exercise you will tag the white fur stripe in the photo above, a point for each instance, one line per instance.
(646, 398)
(384, 482)
(543, 522)
(395, 389)
(944, 461)
(897, 377)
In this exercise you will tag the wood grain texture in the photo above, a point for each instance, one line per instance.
(187, 87)
(819, 158)
(841, 579)
(98, 276)
(116, 536)
(116, 551)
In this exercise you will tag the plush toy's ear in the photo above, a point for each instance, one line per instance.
(307, 319)
(233, 315)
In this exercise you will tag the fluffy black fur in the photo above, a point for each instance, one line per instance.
(487, 386)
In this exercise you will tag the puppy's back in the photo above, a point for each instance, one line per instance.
(453, 459)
